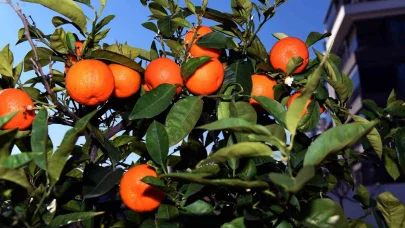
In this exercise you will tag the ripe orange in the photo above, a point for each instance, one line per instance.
(90, 82)
(197, 51)
(287, 48)
(262, 86)
(297, 94)
(207, 79)
(16, 100)
(127, 80)
(160, 71)
(137, 195)
(79, 49)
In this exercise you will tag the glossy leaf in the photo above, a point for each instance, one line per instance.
(151, 26)
(157, 143)
(39, 137)
(363, 195)
(99, 180)
(314, 37)
(311, 118)
(182, 118)
(374, 137)
(67, 8)
(279, 35)
(192, 189)
(62, 220)
(104, 22)
(154, 54)
(392, 209)
(4, 119)
(44, 55)
(116, 58)
(335, 139)
(59, 158)
(18, 160)
(189, 67)
(292, 184)
(400, 147)
(240, 150)
(216, 40)
(391, 167)
(199, 207)
(167, 26)
(324, 213)
(236, 125)
(392, 97)
(396, 110)
(273, 107)
(293, 64)
(154, 102)
(167, 216)
(58, 41)
(176, 48)
(240, 72)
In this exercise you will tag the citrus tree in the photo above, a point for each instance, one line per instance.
(217, 120)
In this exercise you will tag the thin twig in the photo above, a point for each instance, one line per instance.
(37, 65)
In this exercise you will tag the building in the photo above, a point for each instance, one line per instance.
(369, 36)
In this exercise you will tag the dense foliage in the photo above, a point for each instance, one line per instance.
(230, 164)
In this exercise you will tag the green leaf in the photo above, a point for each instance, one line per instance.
(357, 223)
(236, 125)
(362, 195)
(226, 183)
(104, 22)
(392, 167)
(176, 48)
(182, 22)
(6, 68)
(400, 147)
(128, 51)
(324, 213)
(71, 41)
(292, 184)
(240, 72)
(62, 220)
(44, 55)
(101, 35)
(273, 107)
(166, 215)
(8, 54)
(153, 51)
(4, 119)
(157, 143)
(18, 160)
(335, 139)
(151, 26)
(116, 58)
(182, 118)
(199, 207)
(98, 180)
(17, 73)
(58, 41)
(167, 26)
(311, 118)
(340, 88)
(39, 137)
(258, 50)
(189, 67)
(279, 35)
(148, 223)
(59, 158)
(190, 6)
(154, 102)
(157, 10)
(277, 131)
(244, 111)
(106, 145)
(392, 209)
(236, 223)
(216, 40)
(58, 21)
(192, 189)
(240, 150)
(294, 112)
(396, 110)
(314, 37)
(67, 8)
(374, 137)
(392, 97)
(293, 64)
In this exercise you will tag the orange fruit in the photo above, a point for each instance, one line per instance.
(79, 49)
(287, 48)
(207, 79)
(127, 80)
(197, 51)
(137, 195)
(90, 82)
(160, 71)
(16, 100)
(297, 94)
(262, 86)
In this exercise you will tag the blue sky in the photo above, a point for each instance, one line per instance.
(294, 18)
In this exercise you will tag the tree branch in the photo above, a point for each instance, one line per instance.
(37, 65)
